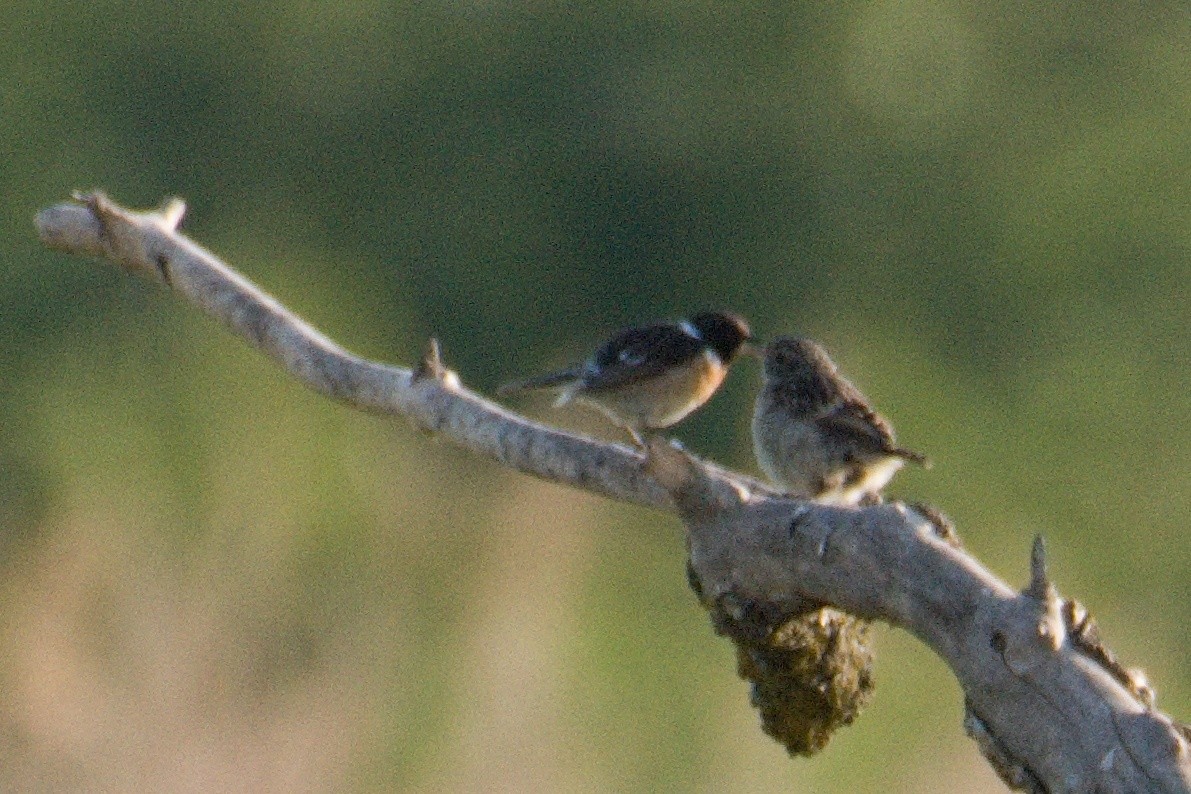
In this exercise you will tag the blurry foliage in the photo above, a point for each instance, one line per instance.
(980, 208)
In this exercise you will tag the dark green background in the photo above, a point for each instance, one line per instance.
(212, 576)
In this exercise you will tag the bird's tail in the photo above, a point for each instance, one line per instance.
(912, 456)
(551, 380)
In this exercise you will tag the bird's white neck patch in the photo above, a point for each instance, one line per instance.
(690, 330)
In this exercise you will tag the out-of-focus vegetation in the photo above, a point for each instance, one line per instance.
(214, 579)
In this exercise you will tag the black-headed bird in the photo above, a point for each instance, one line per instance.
(651, 376)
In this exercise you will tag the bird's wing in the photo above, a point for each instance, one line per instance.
(638, 354)
(857, 422)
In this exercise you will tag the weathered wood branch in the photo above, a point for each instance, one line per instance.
(1047, 703)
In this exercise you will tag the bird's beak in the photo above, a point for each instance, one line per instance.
(751, 350)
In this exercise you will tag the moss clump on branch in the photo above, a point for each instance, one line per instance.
(810, 667)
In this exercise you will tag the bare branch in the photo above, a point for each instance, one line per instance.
(1047, 703)
(146, 244)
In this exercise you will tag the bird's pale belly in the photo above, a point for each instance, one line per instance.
(793, 456)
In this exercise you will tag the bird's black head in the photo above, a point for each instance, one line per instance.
(726, 333)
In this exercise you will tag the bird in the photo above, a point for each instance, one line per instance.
(648, 377)
(815, 434)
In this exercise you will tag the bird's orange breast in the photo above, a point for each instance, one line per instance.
(664, 399)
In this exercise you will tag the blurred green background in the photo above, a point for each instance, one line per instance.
(215, 579)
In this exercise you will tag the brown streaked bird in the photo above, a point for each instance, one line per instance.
(815, 434)
(651, 376)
